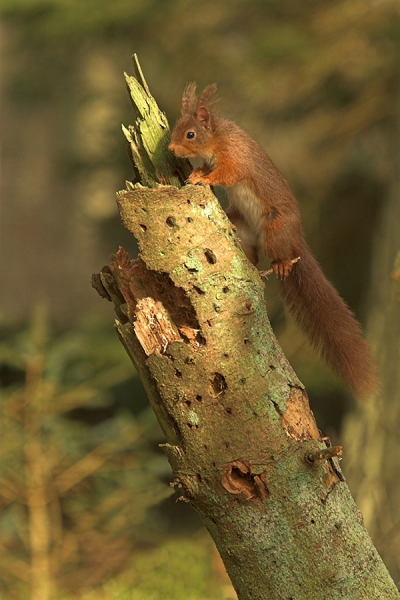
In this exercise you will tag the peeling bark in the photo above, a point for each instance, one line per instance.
(239, 429)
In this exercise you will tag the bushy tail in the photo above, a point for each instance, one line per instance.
(329, 324)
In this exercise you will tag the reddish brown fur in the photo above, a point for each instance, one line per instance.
(267, 217)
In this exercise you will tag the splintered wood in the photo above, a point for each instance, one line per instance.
(153, 326)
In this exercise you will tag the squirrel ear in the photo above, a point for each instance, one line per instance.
(203, 115)
(189, 98)
(204, 102)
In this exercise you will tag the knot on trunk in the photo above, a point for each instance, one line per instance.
(239, 479)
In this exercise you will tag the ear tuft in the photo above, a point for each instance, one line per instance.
(206, 98)
(189, 99)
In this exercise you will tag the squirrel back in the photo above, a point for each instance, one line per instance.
(267, 219)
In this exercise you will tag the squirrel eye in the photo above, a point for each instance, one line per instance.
(190, 135)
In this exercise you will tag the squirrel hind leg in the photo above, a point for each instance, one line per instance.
(251, 252)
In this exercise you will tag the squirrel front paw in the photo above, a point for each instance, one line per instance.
(198, 176)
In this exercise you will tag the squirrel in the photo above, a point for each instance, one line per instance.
(267, 219)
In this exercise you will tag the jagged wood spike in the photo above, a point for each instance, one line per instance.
(149, 137)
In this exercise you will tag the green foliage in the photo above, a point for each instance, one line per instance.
(181, 569)
(76, 495)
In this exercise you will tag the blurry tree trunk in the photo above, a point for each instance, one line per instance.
(372, 432)
(241, 439)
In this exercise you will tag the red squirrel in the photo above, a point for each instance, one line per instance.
(267, 219)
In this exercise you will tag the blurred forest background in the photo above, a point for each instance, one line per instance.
(86, 507)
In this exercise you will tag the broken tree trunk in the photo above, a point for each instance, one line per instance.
(241, 439)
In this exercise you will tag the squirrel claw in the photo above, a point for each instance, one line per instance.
(198, 177)
(282, 268)
(194, 182)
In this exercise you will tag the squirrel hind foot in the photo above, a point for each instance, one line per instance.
(282, 268)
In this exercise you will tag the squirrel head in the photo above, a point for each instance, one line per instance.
(193, 133)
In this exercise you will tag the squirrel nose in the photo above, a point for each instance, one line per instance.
(171, 148)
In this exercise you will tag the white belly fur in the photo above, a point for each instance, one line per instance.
(241, 197)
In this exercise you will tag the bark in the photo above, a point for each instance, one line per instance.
(241, 439)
